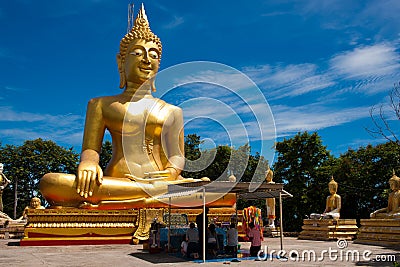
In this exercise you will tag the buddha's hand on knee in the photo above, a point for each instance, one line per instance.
(89, 173)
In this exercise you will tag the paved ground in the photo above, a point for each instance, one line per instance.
(132, 255)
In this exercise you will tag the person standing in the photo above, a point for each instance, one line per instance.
(192, 237)
(255, 238)
(200, 226)
(212, 240)
(232, 240)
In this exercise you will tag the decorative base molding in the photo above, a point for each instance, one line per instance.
(66, 226)
(383, 232)
(328, 229)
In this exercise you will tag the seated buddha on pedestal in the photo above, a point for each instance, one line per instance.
(392, 211)
(333, 203)
(147, 137)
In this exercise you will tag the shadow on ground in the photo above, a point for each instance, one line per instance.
(157, 258)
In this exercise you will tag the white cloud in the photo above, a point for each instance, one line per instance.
(290, 120)
(64, 129)
(379, 59)
(176, 21)
(366, 69)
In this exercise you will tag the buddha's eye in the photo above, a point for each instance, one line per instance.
(137, 52)
(153, 54)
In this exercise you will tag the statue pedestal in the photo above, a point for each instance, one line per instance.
(222, 214)
(52, 227)
(384, 232)
(271, 232)
(11, 229)
(328, 229)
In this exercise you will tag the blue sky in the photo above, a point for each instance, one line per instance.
(320, 65)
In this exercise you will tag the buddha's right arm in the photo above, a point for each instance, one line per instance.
(89, 170)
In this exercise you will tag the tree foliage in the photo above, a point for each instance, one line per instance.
(24, 165)
(363, 176)
(302, 164)
(105, 154)
(222, 161)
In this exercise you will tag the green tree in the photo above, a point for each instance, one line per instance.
(24, 165)
(303, 165)
(105, 154)
(363, 176)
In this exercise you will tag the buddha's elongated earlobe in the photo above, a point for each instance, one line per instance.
(122, 78)
(153, 84)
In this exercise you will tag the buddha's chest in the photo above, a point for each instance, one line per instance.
(332, 202)
(133, 118)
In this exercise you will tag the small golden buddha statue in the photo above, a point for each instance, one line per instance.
(270, 202)
(333, 204)
(34, 204)
(393, 209)
(147, 137)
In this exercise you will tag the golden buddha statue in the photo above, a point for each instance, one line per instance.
(34, 204)
(393, 209)
(147, 137)
(270, 202)
(333, 203)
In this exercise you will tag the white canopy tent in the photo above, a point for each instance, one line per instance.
(242, 190)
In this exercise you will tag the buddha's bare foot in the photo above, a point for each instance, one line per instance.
(88, 206)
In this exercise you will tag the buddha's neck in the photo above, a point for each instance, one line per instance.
(137, 91)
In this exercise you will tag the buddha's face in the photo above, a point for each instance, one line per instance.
(35, 203)
(268, 177)
(332, 189)
(394, 185)
(142, 61)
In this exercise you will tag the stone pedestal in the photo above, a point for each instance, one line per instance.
(11, 229)
(328, 229)
(384, 232)
(271, 232)
(49, 227)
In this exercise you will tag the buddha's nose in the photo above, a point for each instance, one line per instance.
(146, 58)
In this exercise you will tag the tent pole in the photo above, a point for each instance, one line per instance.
(169, 225)
(281, 220)
(204, 224)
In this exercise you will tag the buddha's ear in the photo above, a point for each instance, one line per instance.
(121, 70)
(153, 84)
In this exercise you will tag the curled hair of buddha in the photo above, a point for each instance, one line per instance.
(140, 30)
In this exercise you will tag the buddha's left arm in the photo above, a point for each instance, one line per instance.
(174, 143)
(396, 203)
(339, 203)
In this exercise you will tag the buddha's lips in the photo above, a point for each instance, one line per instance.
(145, 69)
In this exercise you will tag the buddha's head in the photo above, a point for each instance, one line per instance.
(35, 203)
(269, 175)
(394, 182)
(333, 186)
(139, 53)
